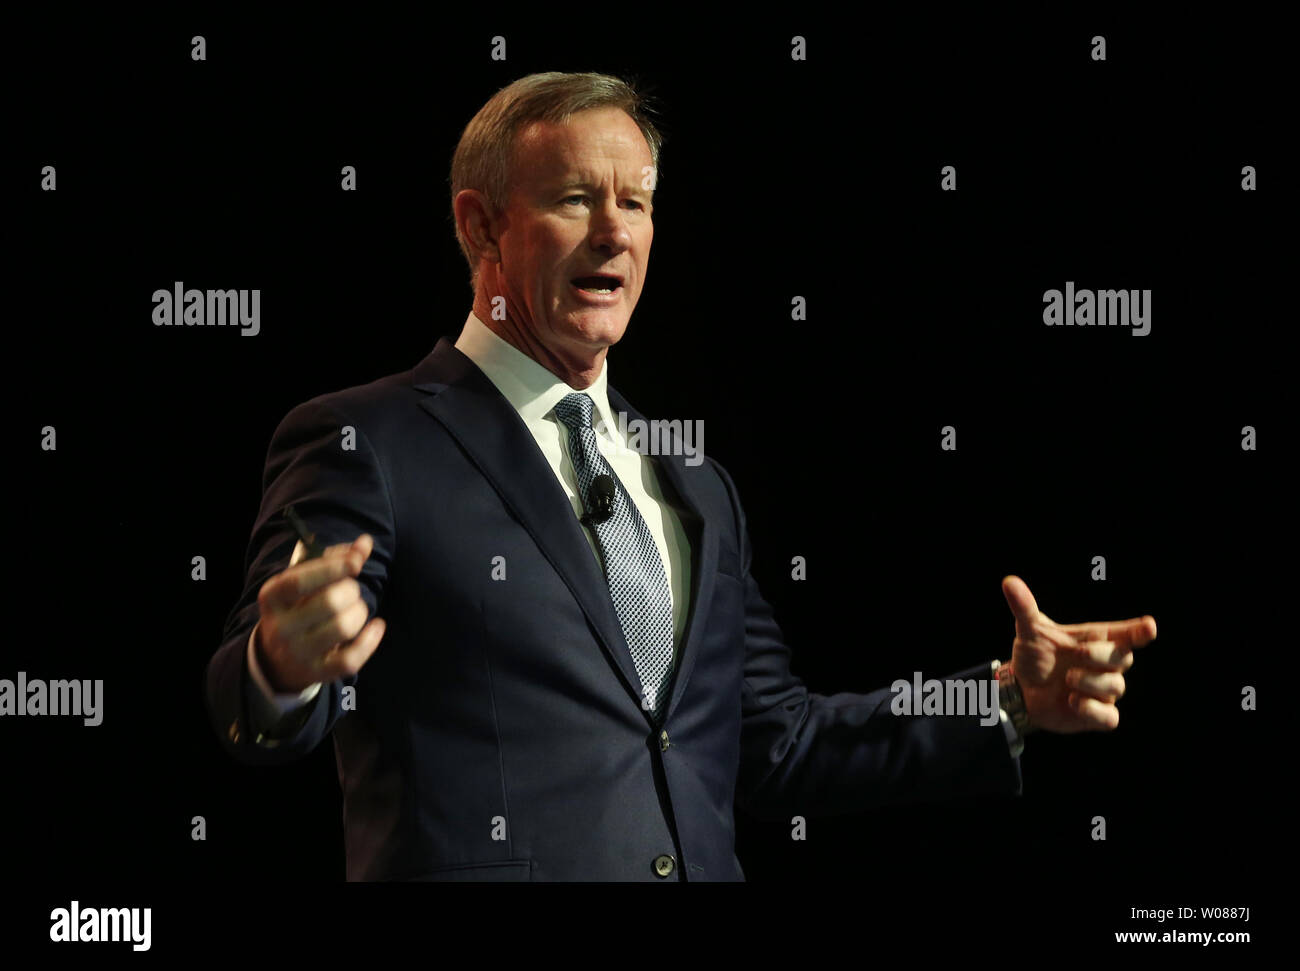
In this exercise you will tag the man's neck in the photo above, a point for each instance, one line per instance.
(578, 372)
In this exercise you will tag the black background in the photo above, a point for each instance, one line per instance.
(777, 178)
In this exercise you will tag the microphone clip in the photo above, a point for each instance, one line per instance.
(601, 495)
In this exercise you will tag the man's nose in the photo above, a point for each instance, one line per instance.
(609, 228)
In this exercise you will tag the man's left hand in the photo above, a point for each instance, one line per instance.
(1071, 675)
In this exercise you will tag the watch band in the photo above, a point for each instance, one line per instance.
(1012, 702)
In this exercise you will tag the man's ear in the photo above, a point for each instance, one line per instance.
(478, 223)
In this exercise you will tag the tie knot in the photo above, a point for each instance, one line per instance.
(575, 410)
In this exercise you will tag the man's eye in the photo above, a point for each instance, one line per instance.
(571, 198)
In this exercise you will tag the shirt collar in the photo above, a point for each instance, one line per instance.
(531, 389)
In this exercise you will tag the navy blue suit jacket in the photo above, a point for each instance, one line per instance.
(511, 708)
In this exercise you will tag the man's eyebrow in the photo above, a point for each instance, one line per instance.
(579, 183)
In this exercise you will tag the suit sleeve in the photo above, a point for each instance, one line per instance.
(816, 754)
(340, 492)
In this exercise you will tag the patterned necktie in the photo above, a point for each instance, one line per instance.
(633, 567)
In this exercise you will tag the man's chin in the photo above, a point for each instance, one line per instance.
(598, 328)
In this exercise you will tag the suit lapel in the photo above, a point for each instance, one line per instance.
(491, 432)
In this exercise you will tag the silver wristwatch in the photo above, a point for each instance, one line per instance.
(1012, 703)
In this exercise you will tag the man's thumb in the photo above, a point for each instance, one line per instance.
(1019, 599)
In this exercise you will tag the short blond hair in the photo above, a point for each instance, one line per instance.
(482, 157)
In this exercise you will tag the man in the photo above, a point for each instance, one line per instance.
(576, 689)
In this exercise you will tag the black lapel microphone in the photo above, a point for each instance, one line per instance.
(602, 501)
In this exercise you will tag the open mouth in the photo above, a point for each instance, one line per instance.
(599, 284)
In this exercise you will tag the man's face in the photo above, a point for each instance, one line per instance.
(576, 210)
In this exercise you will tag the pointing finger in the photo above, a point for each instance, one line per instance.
(1127, 634)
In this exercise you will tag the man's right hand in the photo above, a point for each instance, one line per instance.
(313, 618)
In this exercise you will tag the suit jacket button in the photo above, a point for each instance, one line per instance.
(663, 741)
(664, 865)
(234, 731)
